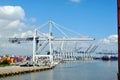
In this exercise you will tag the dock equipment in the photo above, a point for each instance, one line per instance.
(49, 39)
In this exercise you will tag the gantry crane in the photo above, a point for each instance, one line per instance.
(49, 39)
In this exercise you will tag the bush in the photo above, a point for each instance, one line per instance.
(4, 63)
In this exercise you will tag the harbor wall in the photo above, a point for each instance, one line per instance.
(17, 70)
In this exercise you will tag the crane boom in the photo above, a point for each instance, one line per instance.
(15, 40)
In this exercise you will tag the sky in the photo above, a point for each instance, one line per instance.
(95, 18)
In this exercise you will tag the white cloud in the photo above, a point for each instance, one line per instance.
(11, 13)
(110, 39)
(113, 38)
(11, 20)
(24, 34)
(108, 44)
(33, 19)
(75, 1)
(12, 24)
(15, 24)
(106, 41)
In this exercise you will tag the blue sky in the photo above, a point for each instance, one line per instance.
(96, 18)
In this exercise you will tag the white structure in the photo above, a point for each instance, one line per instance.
(49, 39)
(44, 59)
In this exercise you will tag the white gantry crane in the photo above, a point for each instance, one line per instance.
(48, 39)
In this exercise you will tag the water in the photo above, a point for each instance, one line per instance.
(78, 70)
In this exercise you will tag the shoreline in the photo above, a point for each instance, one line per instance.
(17, 70)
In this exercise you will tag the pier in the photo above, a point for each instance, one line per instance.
(17, 70)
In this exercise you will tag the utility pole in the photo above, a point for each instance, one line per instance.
(118, 12)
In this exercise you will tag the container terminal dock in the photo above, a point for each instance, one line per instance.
(41, 42)
(54, 53)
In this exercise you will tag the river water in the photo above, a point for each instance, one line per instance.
(74, 70)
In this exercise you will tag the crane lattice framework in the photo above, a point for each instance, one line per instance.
(48, 38)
